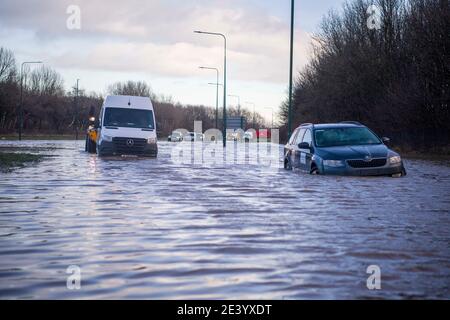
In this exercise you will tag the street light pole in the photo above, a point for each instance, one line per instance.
(290, 70)
(254, 107)
(21, 96)
(239, 102)
(224, 129)
(272, 114)
(217, 93)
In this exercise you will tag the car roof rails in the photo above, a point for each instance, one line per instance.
(307, 124)
(352, 122)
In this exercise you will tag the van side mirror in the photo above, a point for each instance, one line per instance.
(304, 145)
(385, 139)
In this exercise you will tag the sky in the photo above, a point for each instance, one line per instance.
(153, 41)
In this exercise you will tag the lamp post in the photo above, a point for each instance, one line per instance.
(217, 93)
(21, 96)
(224, 129)
(239, 102)
(290, 70)
(254, 107)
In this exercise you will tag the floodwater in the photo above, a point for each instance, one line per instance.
(155, 229)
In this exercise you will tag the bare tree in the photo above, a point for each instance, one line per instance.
(7, 65)
(131, 88)
(394, 79)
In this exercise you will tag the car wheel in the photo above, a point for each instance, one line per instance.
(287, 164)
(314, 170)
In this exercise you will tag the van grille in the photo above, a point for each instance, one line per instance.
(133, 146)
(367, 164)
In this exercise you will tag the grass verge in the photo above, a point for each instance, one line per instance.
(9, 161)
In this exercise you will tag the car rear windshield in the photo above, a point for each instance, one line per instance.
(330, 137)
(129, 118)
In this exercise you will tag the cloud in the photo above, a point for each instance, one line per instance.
(157, 37)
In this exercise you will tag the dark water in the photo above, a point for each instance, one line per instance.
(154, 229)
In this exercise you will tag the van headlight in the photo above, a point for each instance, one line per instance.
(107, 138)
(395, 160)
(151, 140)
(333, 163)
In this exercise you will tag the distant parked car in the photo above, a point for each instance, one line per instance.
(231, 136)
(193, 136)
(248, 136)
(176, 136)
(346, 148)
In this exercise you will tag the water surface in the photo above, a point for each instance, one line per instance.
(154, 229)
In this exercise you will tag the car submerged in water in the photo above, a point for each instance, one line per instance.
(346, 148)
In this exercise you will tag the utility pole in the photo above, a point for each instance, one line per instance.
(76, 111)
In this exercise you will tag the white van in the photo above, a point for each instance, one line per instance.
(127, 126)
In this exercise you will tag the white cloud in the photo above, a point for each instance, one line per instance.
(154, 41)
(156, 37)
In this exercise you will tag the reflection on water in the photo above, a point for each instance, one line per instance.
(154, 229)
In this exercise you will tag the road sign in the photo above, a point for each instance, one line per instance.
(236, 123)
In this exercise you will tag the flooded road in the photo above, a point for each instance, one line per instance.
(154, 229)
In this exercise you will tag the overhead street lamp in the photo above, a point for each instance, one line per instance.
(224, 129)
(217, 93)
(21, 96)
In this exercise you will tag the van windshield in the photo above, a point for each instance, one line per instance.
(350, 136)
(129, 118)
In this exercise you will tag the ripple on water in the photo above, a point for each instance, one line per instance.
(154, 229)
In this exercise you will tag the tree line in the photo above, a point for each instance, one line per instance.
(49, 109)
(393, 77)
